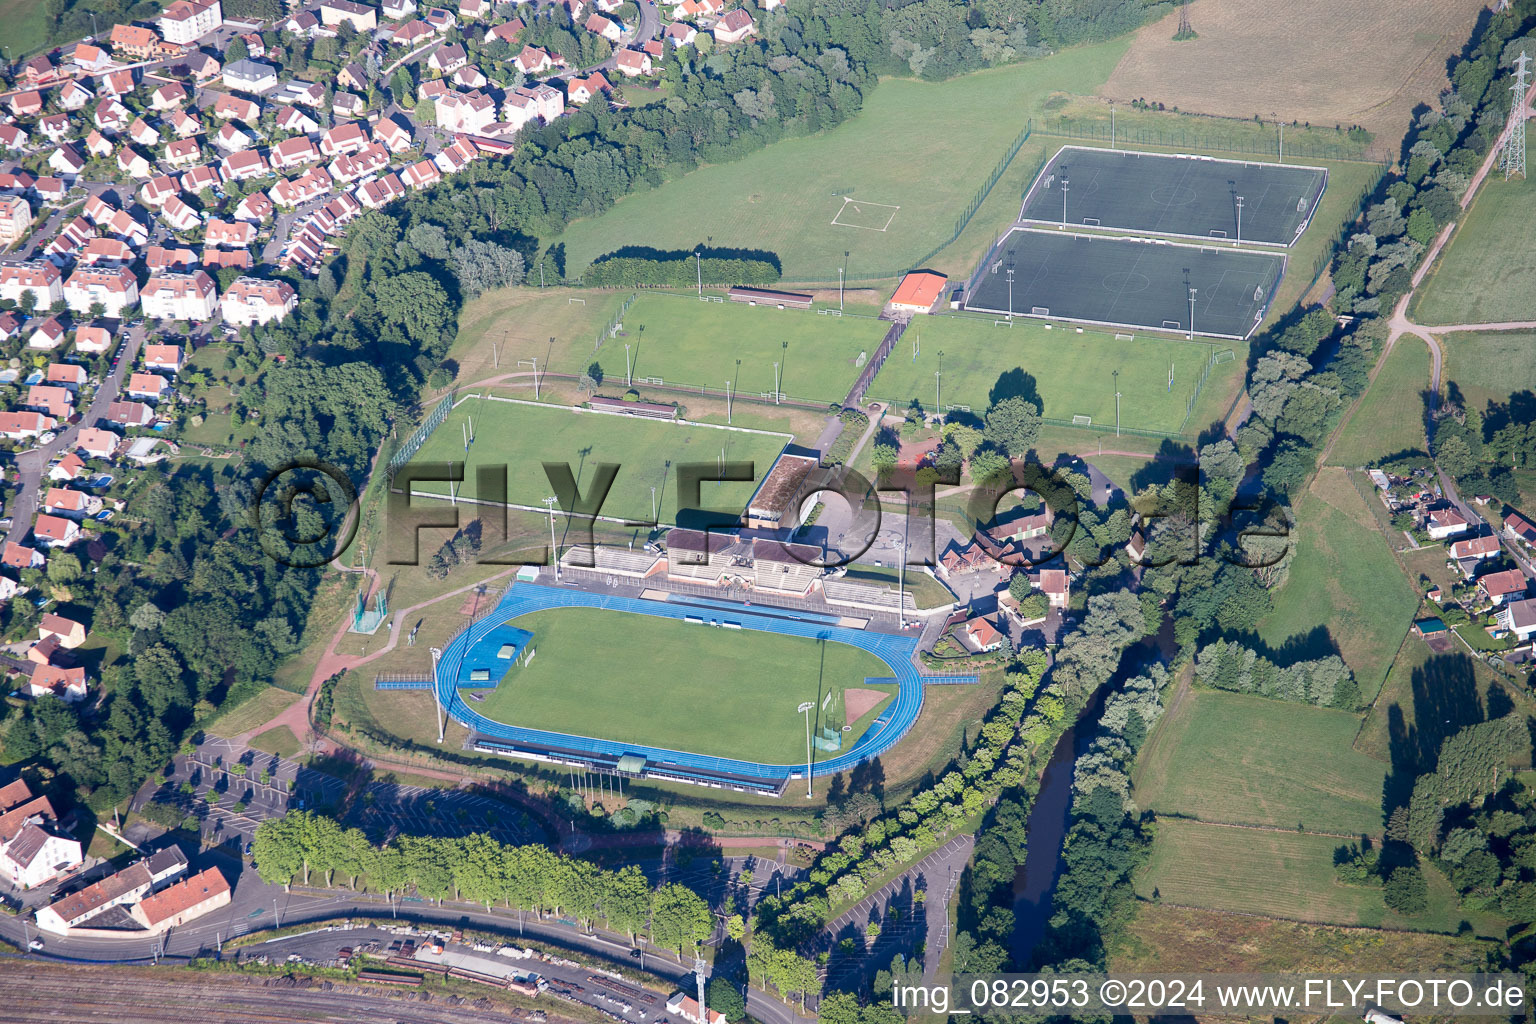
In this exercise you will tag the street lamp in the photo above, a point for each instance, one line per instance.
(805, 709)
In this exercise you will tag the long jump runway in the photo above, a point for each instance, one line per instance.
(893, 724)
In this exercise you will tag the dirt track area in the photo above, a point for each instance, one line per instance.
(860, 702)
(31, 991)
(1321, 61)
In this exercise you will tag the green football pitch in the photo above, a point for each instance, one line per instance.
(1072, 373)
(682, 340)
(639, 679)
(522, 436)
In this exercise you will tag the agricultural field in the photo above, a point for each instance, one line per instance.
(1068, 373)
(1323, 605)
(1237, 758)
(1490, 366)
(785, 198)
(1161, 938)
(671, 684)
(1247, 62)
(1487, 272)
(1390, 418)
(680, 340)
(1285, 874)
(522, 436)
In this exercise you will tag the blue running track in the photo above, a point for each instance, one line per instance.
(893, 723)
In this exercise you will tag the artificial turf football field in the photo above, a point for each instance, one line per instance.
(1072, 373)
(522, 436)
(664, 683)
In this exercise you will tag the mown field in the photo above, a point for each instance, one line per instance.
(1161, 938)
(1390, 418)
(1248, 62)
(522, 437)
(681, 340)
(921, 146)
(1282, 874)
(26, 27)
(665, 683)
(1488, 271)
(1230, 757)
(1344, 589)
(1070, 374)
(1490, 366)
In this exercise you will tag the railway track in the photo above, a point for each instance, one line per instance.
(39, 992)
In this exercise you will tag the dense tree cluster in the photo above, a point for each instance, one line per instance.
(1326, 682)
(476, 867)
(677, 270)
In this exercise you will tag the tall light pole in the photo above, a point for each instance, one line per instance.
(775, 383)
(840, 276)
(1239, 220)
(698, 259)
(437, 697)
(653, 505)
(1117, 403)
(553, 549)
(805, 709)
(1064, 186)
(1280, 130)
(938, 384)
(1111, 126)
(629, 374)
(727, 403)
(1010, 286)
(1192, 314)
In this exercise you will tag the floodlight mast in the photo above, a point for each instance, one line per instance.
(805, 709)
(1192, 314)
(554, 549)
(1239, 220)
(437, 698)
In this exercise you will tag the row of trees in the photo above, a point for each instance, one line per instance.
(677, 270)
(478, 868)
(1326, 682)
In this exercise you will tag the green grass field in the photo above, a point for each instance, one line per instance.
(1490, 366)
(1488, 271)
(684, 341)
(26, 27)
(640, 679)
(524, 436)
(785, 197)
(1282, 874)
(1390, 418)
(1073, 373)
(1343, 583)
(1232, 757)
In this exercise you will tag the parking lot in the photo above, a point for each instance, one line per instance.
(384, 809)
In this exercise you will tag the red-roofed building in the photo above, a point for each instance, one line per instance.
(55, 532)
(170, 908)
(918, 292)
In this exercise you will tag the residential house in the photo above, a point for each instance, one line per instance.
(96, 443)
(98, 145)
(15, 219)
(1519, 617)
(309, 186)
(346, 104)
(445, 60)
(1466, 554)
(377, 193)
(243, 166)
(983, 635)
(69, 468)
(173, 296)
(344, 138)
(51, 190)
(66, 160)
(1445, 522)
(133, 41)
(39, 277)
(66, 375)
(353, 76)
(17, 556)
(125, 226)
(412, 34)
(141, 132)
(186, 21)
(149, 387)
(166, 358)
(185, 901)
(454, 158)
(296, 121)
(54, 532)
(252, 300)
(129, 414)
(52, 401)
(344, 12)
(157, 190)
(601, 26)
(124, 887)
(26, 104)
(36, 856)
(12, 138)
(393, 135)
(236, 108)
(183, 124)
(48, 335)
(134, 164)
(371, 159)
(234, 234)
(111, 116)
(581, 91)
(472, 9)
(168, 96)
(232, 139)
(90, 59)
(441, 20)
(534, 61)
(1055, 584)
(1498, 587)
(305, 23)
(118, 83)
(161, 257)
(200, 179)
(55, 127)
(1516, 526)
(303, 94)
(179, 214)
(680, 34)
(633, 63)
(398, 10)
(74, 96)
(67, 684)
(183, 153)
(507, 32)
(465, 111)
(70, 504)
(422, 174)
(92, 340)
(113, 289)
(69, 633)
(250, 76)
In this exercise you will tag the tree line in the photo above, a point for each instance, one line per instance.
(1326, 682)
(680, 270)
(478, 868)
